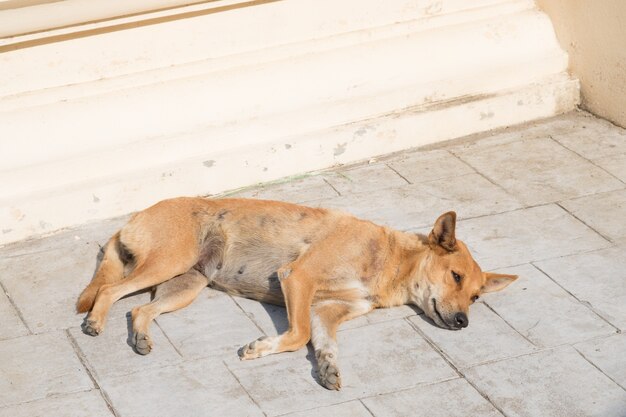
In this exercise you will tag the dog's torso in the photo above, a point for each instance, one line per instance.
(244, 243)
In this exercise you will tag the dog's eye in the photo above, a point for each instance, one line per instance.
(474, 298)
(457, 277)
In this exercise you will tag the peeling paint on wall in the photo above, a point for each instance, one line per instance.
(340, 148)
(17, 214)
(361, 131)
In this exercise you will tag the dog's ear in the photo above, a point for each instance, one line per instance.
(443, 231)
(496, 282)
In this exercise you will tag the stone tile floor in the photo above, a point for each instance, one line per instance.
(546, 200)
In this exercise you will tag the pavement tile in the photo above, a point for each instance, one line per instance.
(470, 195)
(544, 312)
(93, 234)
(299, 190)
(454, 398)
(55, 279)
(11, 326)
(272, 319)
(364, 178)
(527, 235)
(608, 355)
(615, 164)
(38, 366)
(429, 165)
(349, 409)
(192, 389)
(373, 359)
(570, 292)
(110, 354)
(212, 325)
(564, 124)
(539, 171)
(549, 383)
(596, 279)
(597, 138)
(80, 404)
(487, 338)
(603, 212)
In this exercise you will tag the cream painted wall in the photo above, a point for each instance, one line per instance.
(102, 121)
(594, 35)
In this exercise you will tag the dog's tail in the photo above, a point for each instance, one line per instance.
(111, 269)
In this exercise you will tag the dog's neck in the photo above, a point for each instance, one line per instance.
(405, 254)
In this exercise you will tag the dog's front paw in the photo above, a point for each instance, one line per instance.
(91, 327)
(142, 343)
(254, 349)
(328, 372)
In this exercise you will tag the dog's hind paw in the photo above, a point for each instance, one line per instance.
(329, 374)
(91, 327)
(143, 343)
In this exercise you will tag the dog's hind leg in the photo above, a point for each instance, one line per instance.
(159, 268)
(325, 319)
(298, 289)
(111, 269)
(171, 295)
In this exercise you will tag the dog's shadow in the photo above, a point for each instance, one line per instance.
(421, 315)
(278, 315)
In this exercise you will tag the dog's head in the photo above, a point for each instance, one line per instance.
(449, 280)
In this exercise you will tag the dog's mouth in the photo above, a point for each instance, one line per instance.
(442, 322)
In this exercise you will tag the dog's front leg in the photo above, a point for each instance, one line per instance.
(298, 288)
(325, 318)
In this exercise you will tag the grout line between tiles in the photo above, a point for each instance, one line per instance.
(492, 182)
(418, 385)
(454, 367)
(586, 304)
(317, 408)
(467, 164)
(331, 186)
(243, 388)
(509, 324)
(83, 360)
(248, 316)
(17, 310)
(168, 338)
(584, 222)
(397, 173)
(366, 407)
(48, 397)
(586, 159)
(601, 371)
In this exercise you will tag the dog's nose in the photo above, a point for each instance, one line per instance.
(461, 320)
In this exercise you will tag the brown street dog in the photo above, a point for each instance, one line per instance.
(325, 266)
